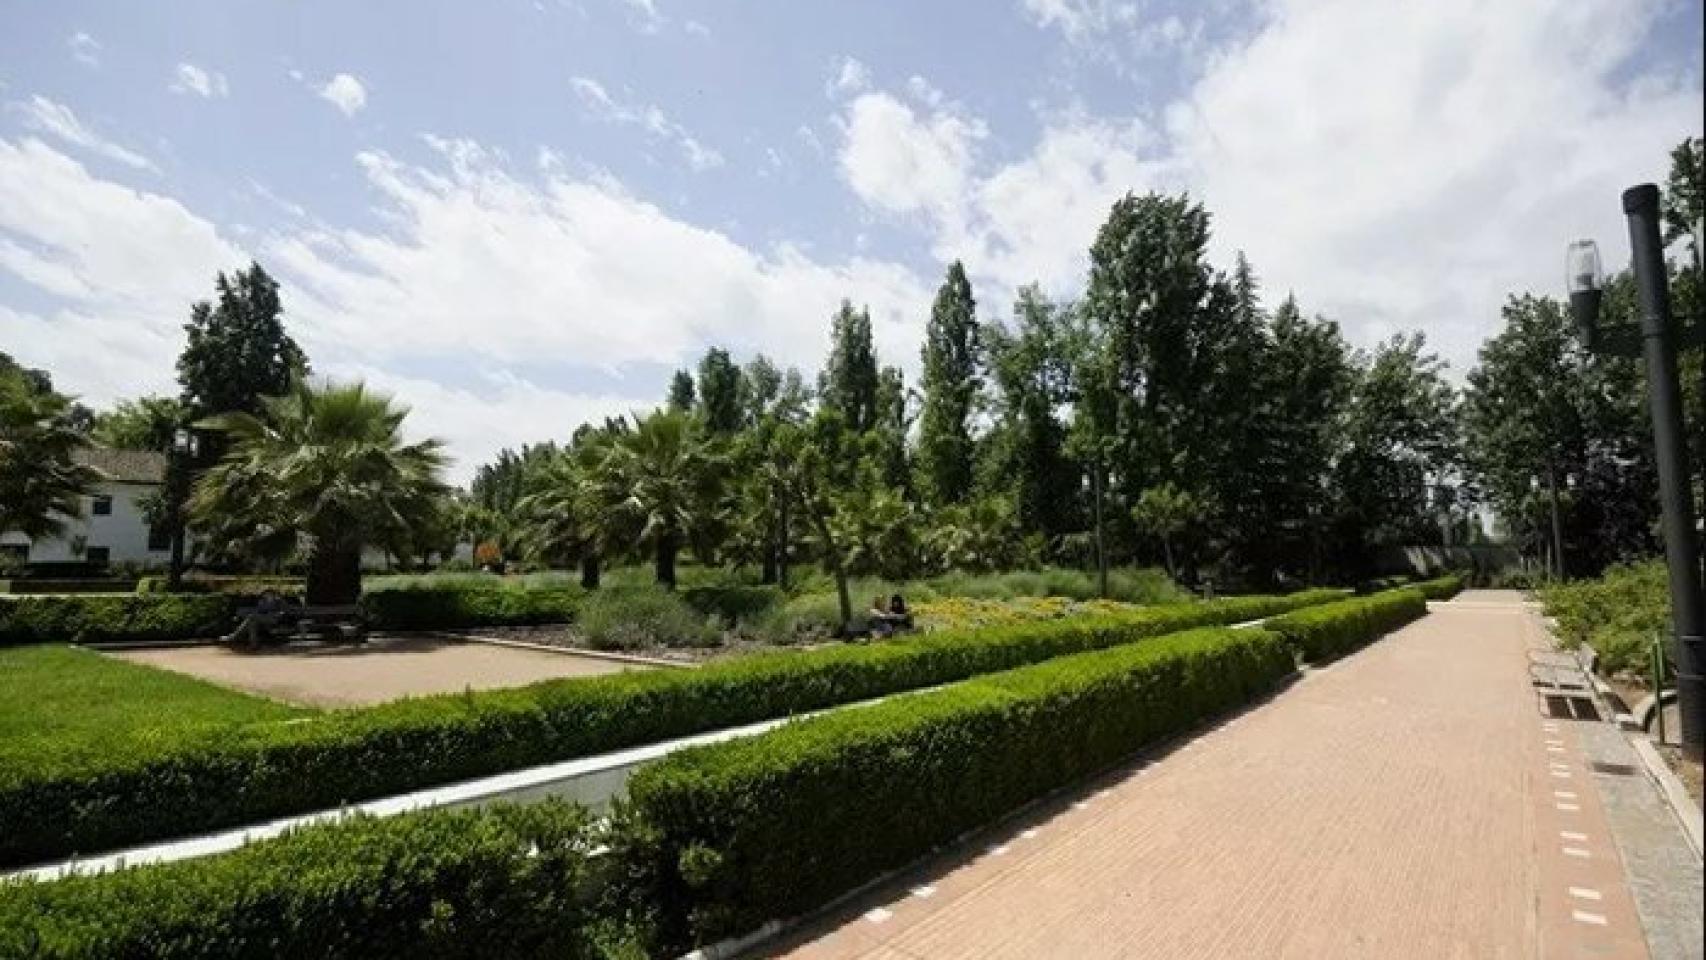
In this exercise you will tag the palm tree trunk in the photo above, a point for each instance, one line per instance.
(334, 576)
(589, 571)
(666, 551)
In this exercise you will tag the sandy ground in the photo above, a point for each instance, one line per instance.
(384, 668)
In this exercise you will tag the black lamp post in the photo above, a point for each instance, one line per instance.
(1654, 341)
(185, 446)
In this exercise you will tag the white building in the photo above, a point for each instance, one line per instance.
(112, 528)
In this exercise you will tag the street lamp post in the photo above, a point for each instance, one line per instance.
(1688, 612)
(185, 446)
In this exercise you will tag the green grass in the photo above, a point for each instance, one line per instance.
(63, 709)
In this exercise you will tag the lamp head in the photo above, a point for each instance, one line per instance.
(1586, 280)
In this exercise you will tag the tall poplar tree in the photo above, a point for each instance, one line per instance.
(848, 384)
(951, 387)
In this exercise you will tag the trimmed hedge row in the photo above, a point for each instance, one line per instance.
(438, 609)
(259, 771)
(775, 825)
(1324, 632)
(1441, 588)
(94, 618)
(501, 882)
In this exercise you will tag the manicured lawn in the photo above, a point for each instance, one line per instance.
(63, 708)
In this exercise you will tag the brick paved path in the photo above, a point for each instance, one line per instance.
(1407, 801)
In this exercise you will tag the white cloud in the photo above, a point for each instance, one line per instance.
(645, 15)
(57, 119)
(1078, 19)
(84, 49)
(189, 78)
(696, 28)
(906, 163)
(1398, 165)
(345, 92)
(851, 76)
(478, 267)
(650, 117)
(95, 247)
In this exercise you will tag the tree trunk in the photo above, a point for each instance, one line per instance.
(1101, 550)
(768, 572)
(832, 556)
(666, 551)
(1167, 551)
(782, 542)
(589, 571)
(334, 576)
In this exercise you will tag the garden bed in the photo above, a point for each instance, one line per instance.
(565, 636)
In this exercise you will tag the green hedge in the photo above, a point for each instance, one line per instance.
(773, 826)
(260, 771)
(433, 609)
(94, 618)
(1324, 632)
(733, 602)
(503, 882)
(1441, 588)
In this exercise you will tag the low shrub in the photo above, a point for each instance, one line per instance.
(421, 608)
(1382, 584)
(1618, 614)
(44, 585)
(97, 618)
(500, 882)
(775, 825)
(1322, 633)
(261, 771)
(1441, 588)
(734, 601)
(627, 618)
(469, 580)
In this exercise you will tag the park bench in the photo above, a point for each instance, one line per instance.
(318, 622)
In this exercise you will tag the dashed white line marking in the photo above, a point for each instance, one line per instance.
(1567, 807)
(1582, 916)
(1573, 835)
(998, 850)
(1564, 794)
(1029, 834)
(1584, 893)
(1554, 749)
(923, 893)
(1080, 804)
(1577, 852)
(1554, 743)
(1561, 774)
(879, 915)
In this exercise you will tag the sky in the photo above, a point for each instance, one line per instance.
(521, 216)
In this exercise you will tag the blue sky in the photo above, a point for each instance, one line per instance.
(519, 216)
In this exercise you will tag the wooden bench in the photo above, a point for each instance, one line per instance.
(300, 622)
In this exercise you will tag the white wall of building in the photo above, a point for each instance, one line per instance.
(124, 531)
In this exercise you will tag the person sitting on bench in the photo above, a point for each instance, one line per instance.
(899, 617)
(878, 618)
(259, 624)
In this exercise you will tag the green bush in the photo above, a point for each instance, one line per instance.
(1324, 632)
(501, 882)
(1441, 588)
(542, 580)
(1618, 614)
(733, 601)
(97, 618)
(245, 587)
(773, 826)
(627, 618)
(260, 771)
(423, 608)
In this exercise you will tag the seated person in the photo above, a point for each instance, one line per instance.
(878, 618)
(899, 617)
(259, 624)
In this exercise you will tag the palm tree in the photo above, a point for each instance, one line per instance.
(658, 486)
(554, 524)
(40, 486)
(1164, 512)
(326, 468)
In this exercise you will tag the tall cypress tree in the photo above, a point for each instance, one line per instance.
(238, 351)
(720, 384)
(951, 383)
(681, 392)
(848, 384)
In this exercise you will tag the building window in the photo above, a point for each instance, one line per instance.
(159, 537)
(102, 506)
(97, 556)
